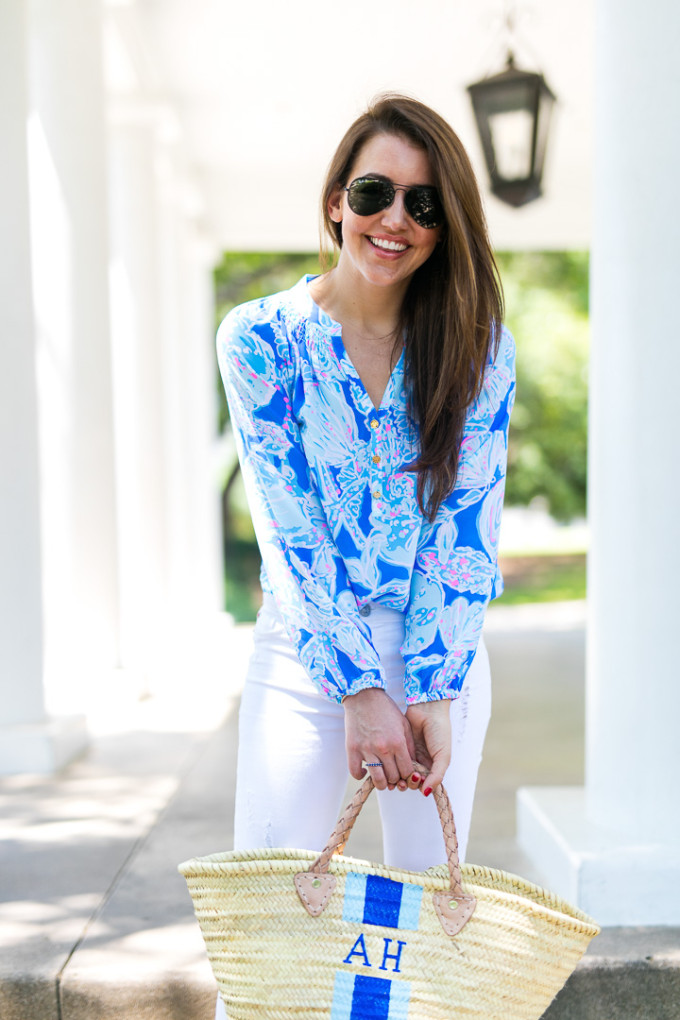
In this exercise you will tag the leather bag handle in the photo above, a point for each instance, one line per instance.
(454, 906)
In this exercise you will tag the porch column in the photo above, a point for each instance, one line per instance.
(188, 371)
(70, 271)
(30, 741)
(139, 354)
(614, 847)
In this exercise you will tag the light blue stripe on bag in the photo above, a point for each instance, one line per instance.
(400, 996)
(355, 896)
(343, 993)
(409, 912)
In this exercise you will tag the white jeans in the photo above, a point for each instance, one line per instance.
(292, 766)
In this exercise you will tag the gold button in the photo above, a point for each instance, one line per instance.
(377, 494)
(374, 423)
(376, 458)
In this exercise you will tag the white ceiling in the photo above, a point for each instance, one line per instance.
(261, 92)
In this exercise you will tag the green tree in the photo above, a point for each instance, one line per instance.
(547, 311)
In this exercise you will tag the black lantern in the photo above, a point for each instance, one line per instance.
(512, 110)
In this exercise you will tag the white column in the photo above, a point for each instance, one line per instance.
(139, 353)
(205, 476)
(615, 846)
(70, 266)
(188, 372)
(29, 739)
(194, 556)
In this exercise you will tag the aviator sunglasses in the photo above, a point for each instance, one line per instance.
(369, 195)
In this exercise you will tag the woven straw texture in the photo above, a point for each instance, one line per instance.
(273, 960)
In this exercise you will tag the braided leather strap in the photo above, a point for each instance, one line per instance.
(454, 906)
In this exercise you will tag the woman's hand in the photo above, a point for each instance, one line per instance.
(376, 730)
(430, 723)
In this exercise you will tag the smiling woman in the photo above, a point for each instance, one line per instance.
(370, 407)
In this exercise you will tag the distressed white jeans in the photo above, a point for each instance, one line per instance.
(292, 765)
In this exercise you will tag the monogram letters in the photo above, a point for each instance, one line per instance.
(359, 950)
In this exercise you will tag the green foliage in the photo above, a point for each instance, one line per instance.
(547, 311)
(544, 578)
(242, 593)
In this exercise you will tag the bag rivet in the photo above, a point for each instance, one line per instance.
(316, 882)
(453, 904)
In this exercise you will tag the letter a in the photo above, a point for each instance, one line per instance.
(360, 951)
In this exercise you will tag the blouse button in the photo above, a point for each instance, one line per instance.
(365, 610)
(374, 423)
(377, 494)
(376, 459)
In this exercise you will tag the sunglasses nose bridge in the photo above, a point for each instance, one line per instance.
(396, 210)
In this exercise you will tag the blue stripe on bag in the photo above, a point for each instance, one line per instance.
(370, 899)
(383, 901)
(358, 997)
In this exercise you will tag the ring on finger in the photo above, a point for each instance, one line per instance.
(373, 764)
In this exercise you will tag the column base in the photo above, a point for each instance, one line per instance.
(41, 748)
(614, 879)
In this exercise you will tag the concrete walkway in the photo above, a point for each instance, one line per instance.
(96, 923)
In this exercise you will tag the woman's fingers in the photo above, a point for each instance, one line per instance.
(431, 726)
(410, 743)
(377, 732)
(436, 774)
(355, 764)
(383, 778)
(404, 761)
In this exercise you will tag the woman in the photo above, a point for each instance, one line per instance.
(371, 407)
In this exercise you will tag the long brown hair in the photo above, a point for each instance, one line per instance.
(453, 308)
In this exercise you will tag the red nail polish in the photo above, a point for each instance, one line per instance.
(426, 793)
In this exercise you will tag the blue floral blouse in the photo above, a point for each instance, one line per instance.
(335, 511)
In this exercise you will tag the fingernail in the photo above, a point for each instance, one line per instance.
(426, 793)
(415, 777)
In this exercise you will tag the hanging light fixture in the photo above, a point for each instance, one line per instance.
(512, 110)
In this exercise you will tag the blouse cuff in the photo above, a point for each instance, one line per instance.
(363, 683)
(425, 696)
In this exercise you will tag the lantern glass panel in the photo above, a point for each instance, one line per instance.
(511, 137)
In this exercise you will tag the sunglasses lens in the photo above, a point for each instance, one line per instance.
(424, 206)
(366, 196)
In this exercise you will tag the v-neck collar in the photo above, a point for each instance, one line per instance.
(333, 332)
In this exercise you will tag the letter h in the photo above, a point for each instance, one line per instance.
(392, 956)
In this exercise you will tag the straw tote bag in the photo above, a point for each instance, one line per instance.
(291, 934)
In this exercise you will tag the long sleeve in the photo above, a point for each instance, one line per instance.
(455, 571)
(305, 570)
